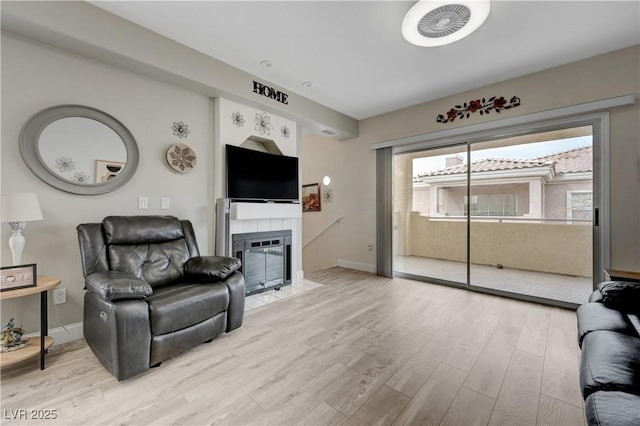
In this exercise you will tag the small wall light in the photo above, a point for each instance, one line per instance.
(327, 193)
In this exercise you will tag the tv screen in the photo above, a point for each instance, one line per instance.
(260, 176)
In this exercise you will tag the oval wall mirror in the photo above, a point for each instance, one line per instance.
(79, 149)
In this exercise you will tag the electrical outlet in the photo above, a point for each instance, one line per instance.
(59, 296)
(165, 203)
(143, 203)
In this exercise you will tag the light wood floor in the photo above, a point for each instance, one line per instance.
(361, 349)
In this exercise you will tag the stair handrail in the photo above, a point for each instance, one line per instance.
(325, 229)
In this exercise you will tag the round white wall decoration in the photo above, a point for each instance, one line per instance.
(180, 158)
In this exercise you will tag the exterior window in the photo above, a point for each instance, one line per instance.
(580, 205)
(493, 205)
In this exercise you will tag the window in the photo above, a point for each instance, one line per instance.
(580, 205)
(493, 205)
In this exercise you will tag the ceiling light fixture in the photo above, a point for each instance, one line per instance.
(432, 23)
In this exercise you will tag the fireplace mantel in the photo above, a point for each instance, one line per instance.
(253, 211)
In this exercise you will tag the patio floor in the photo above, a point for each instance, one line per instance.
(539, 284)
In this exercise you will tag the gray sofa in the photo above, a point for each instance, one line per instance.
(150, 295)
(609, 338)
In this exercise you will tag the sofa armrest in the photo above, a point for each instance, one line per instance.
(210, 268)
(237, 293)
(114, 285)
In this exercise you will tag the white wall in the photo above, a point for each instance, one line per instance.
(36, 77)
(351, 171)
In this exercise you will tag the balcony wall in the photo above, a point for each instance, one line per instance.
(557, 248)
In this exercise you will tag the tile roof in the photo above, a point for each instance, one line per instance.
(571, 161)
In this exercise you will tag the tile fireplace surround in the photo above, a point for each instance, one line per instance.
(239, 218)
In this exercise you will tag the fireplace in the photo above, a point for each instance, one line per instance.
(266, 259)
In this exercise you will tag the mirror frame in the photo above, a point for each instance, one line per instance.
(30, 136)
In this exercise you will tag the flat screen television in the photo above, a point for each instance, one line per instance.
(259, 176)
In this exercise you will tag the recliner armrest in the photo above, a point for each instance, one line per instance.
(210, 268)
(114, 285)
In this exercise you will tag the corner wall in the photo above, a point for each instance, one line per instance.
(35, 77)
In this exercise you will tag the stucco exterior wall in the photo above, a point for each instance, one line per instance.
(555, 248)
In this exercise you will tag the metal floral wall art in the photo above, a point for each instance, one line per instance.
(263, 123)
(81, 178)
(483, 106)
(180, 158)
(180, 129)
(237, 119)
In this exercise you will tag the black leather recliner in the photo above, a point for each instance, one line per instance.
(609, 336)
(150, 295)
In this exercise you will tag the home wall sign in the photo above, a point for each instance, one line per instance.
(270, 92)
(484, 106)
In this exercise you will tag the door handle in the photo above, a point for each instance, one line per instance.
(596, 216)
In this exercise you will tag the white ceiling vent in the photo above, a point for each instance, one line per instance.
(436, 23)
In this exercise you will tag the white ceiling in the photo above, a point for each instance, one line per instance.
(357, 59)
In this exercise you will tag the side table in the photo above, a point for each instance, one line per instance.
(45, 283)
(617, 275)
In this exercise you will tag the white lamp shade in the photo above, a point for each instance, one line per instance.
(23, 207)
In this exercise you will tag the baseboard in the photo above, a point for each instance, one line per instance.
(61, 335)
(359, 266)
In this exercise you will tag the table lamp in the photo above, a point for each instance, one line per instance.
(18, 209)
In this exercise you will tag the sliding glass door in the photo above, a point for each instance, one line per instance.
(429, 225)
(509, 216)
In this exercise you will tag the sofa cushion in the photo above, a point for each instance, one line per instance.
(622, 295)
(210, 268)
(612, 409)
(609, 361)
(596, 316)
(179, 306)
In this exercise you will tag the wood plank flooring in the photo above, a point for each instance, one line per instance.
(361, 349)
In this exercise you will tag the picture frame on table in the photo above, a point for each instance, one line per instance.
(311, 199)
(18, 276)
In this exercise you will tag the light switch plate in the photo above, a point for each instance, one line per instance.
(166, 203)
(143, 203)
